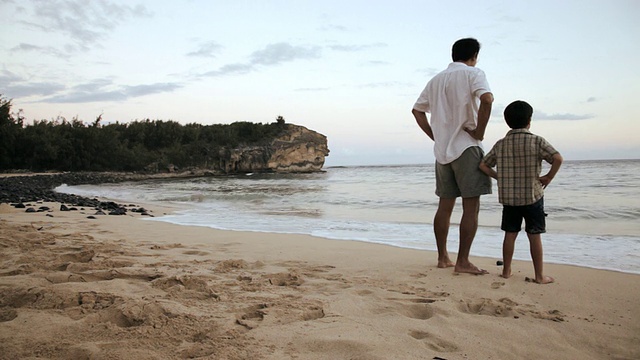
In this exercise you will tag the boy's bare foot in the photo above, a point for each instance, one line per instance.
(471, 269)
(506, 275)
(543, 280)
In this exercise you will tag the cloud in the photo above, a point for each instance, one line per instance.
(592, 99)
(33, 88)
(230, 69)
(282, 52)
(208, 49)
(430, 72)
(539, 115)
(340, 28)
(271, 55)
(509, 19)
(378, 62)
(498, 110)
(313, 89)
(16, 86)
(352, 48)
(48, 50)
(149, 89)
(385, 84)
(85, 23)
(274, 54)
(104, 90)
(7, 77)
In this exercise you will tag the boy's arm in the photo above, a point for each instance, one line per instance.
(487, 170)
(423, 122)
(555, 166)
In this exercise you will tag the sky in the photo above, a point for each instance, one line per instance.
(350, 70)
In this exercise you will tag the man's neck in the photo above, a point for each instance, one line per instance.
(470, 62)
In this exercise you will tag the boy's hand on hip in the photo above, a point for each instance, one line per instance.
(545, 181)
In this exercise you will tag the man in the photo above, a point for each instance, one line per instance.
(459, 100)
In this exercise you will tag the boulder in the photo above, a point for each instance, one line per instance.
(297, 149)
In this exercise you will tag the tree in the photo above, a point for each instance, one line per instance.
(10, 127)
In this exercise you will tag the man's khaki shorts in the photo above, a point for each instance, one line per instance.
(462, 177)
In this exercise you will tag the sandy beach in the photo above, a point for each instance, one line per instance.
(122, 287)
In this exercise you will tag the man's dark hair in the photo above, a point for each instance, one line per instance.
(518, 114)
(465, 49)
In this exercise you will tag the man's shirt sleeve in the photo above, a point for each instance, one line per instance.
(480, 85)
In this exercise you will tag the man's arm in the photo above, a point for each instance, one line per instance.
(555, 166)
(487, 170)
(423, 122)
(484, 113)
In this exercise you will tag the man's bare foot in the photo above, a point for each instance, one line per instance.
(445, 264)
(471, 269)
(506, 275)
(543, 280)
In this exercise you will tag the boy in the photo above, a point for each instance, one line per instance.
(518, 157)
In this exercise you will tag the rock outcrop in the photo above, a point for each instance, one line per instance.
(297, 149)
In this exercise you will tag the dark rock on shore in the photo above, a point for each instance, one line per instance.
(18, 190)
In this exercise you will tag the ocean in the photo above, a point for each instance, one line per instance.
(593, 209)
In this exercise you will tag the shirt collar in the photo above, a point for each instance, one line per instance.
(518, 131)
(457, 64)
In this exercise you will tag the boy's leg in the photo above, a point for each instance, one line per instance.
(535, 245)
(511, 225)
(508, 246)
(535, 226)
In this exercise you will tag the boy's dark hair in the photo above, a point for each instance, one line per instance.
(518, 114)
(465, 49)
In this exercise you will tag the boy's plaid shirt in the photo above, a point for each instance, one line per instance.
(518, 157)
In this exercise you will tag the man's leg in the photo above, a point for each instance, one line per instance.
(441, 223)
(508, 246)
(468, 228)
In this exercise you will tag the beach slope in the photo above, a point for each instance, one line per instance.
(128, 287)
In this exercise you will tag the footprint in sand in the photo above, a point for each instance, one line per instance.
(433, 342)
(83, 256)
(284, 279)
(313, 313)
(7, 314)
(502, 308)
(231, 265)
(196, 252)
(417, 311)
(506, 307)
(250, 317)
(497, 284)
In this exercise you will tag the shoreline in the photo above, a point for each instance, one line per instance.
(115, 286)
(487, 257)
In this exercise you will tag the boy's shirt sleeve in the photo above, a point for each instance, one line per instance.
(490, 159)
(547, 151)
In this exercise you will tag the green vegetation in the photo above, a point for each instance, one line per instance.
(137, 146)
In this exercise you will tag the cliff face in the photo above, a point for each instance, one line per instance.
(297, 149)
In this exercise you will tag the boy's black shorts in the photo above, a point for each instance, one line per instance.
(533, 215)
